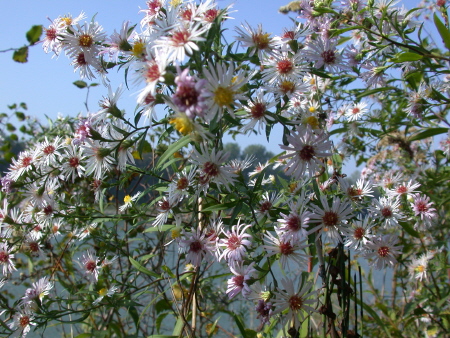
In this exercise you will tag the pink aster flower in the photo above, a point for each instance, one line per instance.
(382, 251)
(236, 243)
(91, 265)
(293, 226)
(357, 233)
(22, 164)
(211, 166)
(304, 152)
(197, 246)
(330, 218)
(323, 53)
(387, 209)
(190, 96)
(288, 249)
(403, 189)
(6, 258)
(423, 208)
(22, 322)
(297, 300)
(237, 283)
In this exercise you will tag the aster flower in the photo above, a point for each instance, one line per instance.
(53, 37)
(423, 208)
(40, 289)
(128, 201)
(164, 207)
(289, 249)
(238, 283)
(152, 71)
(235, 243)
(223, 88)
(387, 209)
(382, 251)
(290, 34)
(98, 158)
(90, 264)
(22, 322)
(118, 43)
(182, 41)
(6, 258)
(104, 292)
(323, 53)
(356, 111)
(283, 66)
(304, 152)
(404, 189)
(357, 233)
(267, 203)
(84, 39)
(197, 246)
(257, 110)
(21, 165)
(210, 166)
(255, 39)
(419, 266)
(296, 302)
(180, 184)
(293, 226)
(358, 191)
(330, 218)
(190, 94)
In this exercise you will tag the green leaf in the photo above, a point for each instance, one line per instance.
(409, 229)
(406, 57)
(428, 133)
(173, 148)
(161, 336)
(20, 116)
(162, 305)
(224, 206)
(80, 84)
(159, 321)
(178, 327)
(21, 55)
(34, 34)
(373, 91)
(143, 269)
(443, 31)
(374, 315)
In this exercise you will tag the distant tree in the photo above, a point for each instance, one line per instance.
(259, 152)
(234, 149)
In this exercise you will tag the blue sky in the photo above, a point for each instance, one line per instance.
(45, 83)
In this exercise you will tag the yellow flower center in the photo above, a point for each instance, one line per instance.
(138, 48)
(261, 40)
(312, 109)
(85, 40)
(127, 199)
(183, 124)
(420, 269)
(175, 3)
(312, 121)
(67, 20)
(103, 292)
(223, 96)
(176, 232)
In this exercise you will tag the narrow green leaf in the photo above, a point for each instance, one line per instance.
(443, 31)
(224, 206)
(428, 133)
(178, 327)
(173, 148)
(21, 55)
(80, 84)
(407, 57)
(373, 91)
(143, 269)
(34, 34)
(409, 229)
(377, 318)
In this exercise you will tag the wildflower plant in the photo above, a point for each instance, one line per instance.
(123, 223)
